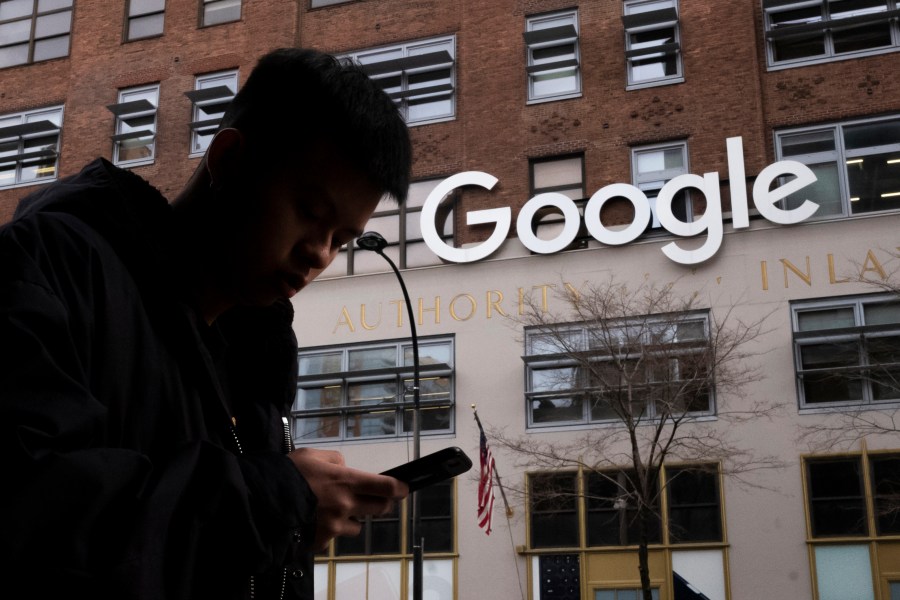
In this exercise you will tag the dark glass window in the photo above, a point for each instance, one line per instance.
(554, 510)
(694, 512)
(836, 498)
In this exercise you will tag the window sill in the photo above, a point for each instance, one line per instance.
(559, 98)
(655, 83)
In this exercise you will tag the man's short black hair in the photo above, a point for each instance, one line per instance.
(296, 98)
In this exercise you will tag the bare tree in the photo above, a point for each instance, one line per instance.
(655, 368)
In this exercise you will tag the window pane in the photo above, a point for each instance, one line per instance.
(429, 354)
(145, 26)
(844, 572)
(430, 419)
(373, 358)
(221, 11)
(881, 313)
(53, 24)
(142, 7)
(830, 318)
(874, 183)
(553, 410)
(46, 5)
(555, 173)
(315, 364)
(312, 428)
(868, 135)
(323, 397)
(51, 48)
(554, 515)
(886, 488)
(694, 514)
(17, 31)
(837, 505)
(13, 55)
(12, 9)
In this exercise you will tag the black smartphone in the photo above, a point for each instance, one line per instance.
(432, 468)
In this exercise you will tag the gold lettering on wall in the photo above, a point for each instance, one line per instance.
(436, 310)
(831, 276)
(466, 306)
(344, 320)
(473, 306)
(362, 318)
(400, 306)
(789, 266)
(871, 265)
(494, 298)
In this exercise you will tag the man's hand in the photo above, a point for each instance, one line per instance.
(345, 495)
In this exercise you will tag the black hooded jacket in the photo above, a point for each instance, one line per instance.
(142, 450)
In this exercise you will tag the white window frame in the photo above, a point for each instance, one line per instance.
(642, 16)
(149, 14)
(18, 131)
(37, 33)
(824, 26)
(208, 10)
(544, 354)
(841, 158)
(557, 31)
(651, 182)
(136, 123)
(860, 334)
(396, 68)
(341, 381)
(210, 98)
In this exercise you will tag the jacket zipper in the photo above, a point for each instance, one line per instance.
(289, 444)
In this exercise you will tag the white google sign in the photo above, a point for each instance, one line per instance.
(765, 199)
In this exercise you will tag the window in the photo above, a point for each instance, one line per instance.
(34, 30)
(401, 227)
(810, 31)
(219, 11)
(363, 392)
(857, 165)
(610, 508)
(209, 100)
(847, 351)
(318, 3)
(29, 146)
(652, 44)
(652, 167)
(552, 60)
(145, 18)
(650, 367)
(589, 517)
(560, 175)
(853, 496)
(134, 142)
(372, 564)
(419, 76)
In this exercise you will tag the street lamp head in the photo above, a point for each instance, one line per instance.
(372, 240)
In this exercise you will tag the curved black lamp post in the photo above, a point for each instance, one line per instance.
(375, 242)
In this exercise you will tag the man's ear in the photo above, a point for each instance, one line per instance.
(225, 156)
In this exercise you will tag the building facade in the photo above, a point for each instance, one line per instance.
(592, 108)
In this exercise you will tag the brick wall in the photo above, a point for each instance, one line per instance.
(100, 63)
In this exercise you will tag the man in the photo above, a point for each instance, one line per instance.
(147, 358)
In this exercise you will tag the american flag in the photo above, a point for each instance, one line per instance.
(485, 487)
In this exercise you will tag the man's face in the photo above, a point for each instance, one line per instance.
(289, 225)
